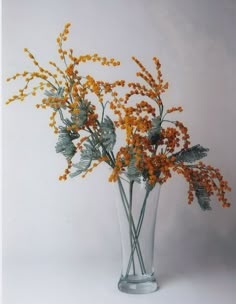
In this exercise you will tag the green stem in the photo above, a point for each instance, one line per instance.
(126, 205)
(134, 233)
(51, 84)
(113, 156)
(103, 110)
(140, 221)
(130, 214)
(62, 117)
(170, 121)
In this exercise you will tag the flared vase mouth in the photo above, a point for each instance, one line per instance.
(140, 182)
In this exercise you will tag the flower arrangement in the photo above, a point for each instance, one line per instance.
(155, 145)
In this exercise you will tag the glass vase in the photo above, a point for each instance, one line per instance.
(137, 207)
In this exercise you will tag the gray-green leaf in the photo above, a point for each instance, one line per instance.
(108, 135)
(202, 196)
(154, 132)
(59, 93)
(80, 118)
(88, 154)
(132, 172)
(65, 144)
(191, 154)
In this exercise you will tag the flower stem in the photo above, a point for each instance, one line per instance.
(134, 233)
(130, 225)
(139, 226)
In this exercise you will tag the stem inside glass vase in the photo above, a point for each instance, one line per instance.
(137, 215)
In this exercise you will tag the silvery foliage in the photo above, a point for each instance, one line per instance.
(88, 154)
(202, 196)
(96, 146)
(190, 155)
(132, 171)
(65, 143)
(154, 132)
(81, 117)
(108, 135)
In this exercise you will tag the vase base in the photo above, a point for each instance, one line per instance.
(138, 284)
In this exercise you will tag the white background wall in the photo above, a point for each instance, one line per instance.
(47, 220)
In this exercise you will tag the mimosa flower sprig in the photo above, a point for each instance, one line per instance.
(155, 147)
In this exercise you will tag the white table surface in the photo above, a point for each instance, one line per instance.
(91, 281)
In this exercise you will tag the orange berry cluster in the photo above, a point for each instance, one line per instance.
(150, 144)
(77, 90)
(185, 136)
(179, 109)
(170, 137)
(66, 171)
(206, 176)
(155, 160)
(155, 86)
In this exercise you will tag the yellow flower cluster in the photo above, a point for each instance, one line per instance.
(151, 142)
(76, 91)
(156, 157)
(208, 177)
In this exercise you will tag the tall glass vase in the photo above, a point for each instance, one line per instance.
(137, 208)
